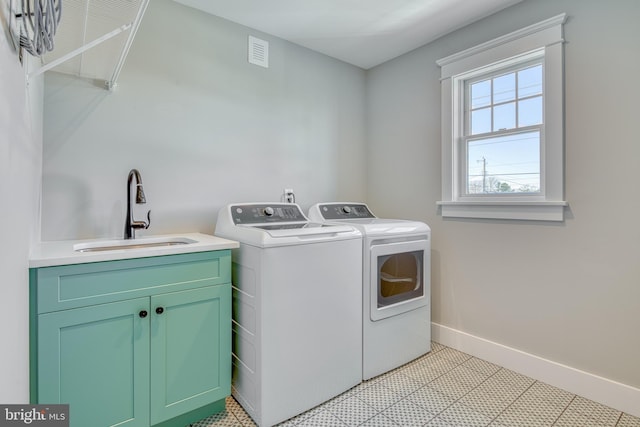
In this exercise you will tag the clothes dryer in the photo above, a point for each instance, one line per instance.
(297, 310)
(396, 280)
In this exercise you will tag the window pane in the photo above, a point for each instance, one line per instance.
(480, 94)
(504, 164)
(504, 88)
(481, 121)
(530, 111)
(504, 116)
(530, 81)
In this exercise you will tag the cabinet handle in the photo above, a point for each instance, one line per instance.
(143, 313)
(159, 310)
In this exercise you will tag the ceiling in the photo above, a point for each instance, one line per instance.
(364, 33)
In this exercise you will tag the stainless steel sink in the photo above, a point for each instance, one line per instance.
(144, 243)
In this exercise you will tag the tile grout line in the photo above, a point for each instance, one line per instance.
(514, 400)
(445, 373)
(492, 419)
(398, 369)
(484, 381)
(474, 388)
(564, 410)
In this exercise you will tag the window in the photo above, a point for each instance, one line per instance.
(502, 127)
(502, 132)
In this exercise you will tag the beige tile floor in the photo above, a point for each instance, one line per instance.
(446, 388)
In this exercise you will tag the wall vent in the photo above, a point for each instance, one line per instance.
(258, 52)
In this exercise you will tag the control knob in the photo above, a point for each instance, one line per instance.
(346, 209)
(268, 211)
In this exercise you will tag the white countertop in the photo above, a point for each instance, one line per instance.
(47, 254)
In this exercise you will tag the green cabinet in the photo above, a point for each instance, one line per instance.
(96, 359)
(138, 342)
(185, 350)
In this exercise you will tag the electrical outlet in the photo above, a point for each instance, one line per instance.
(288, 196)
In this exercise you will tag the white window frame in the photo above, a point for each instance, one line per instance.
(544, 39)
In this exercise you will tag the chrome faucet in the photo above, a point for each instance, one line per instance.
(130, 224)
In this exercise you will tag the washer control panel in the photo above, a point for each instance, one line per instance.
(266, 213)
(345, 211)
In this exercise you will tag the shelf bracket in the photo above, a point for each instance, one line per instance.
(78, 51)
(111, 84)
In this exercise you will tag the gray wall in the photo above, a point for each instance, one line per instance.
(20, 173)
(203, 126)
(567, 292)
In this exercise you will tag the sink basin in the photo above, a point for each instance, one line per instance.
(144, 243)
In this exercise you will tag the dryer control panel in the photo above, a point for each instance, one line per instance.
(340, 211)
(266, 213)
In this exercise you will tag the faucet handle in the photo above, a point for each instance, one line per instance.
(142, 224)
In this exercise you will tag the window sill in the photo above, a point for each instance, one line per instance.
(532, 211)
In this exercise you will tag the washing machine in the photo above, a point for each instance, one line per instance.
(396, 283)
(297, 310)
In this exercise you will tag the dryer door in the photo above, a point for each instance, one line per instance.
(399, 277)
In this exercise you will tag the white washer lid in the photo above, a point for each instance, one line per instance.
(272, 230)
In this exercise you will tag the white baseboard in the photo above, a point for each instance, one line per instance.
(611, 393)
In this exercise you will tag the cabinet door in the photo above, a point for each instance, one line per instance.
(96, 359)
(190, 350)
